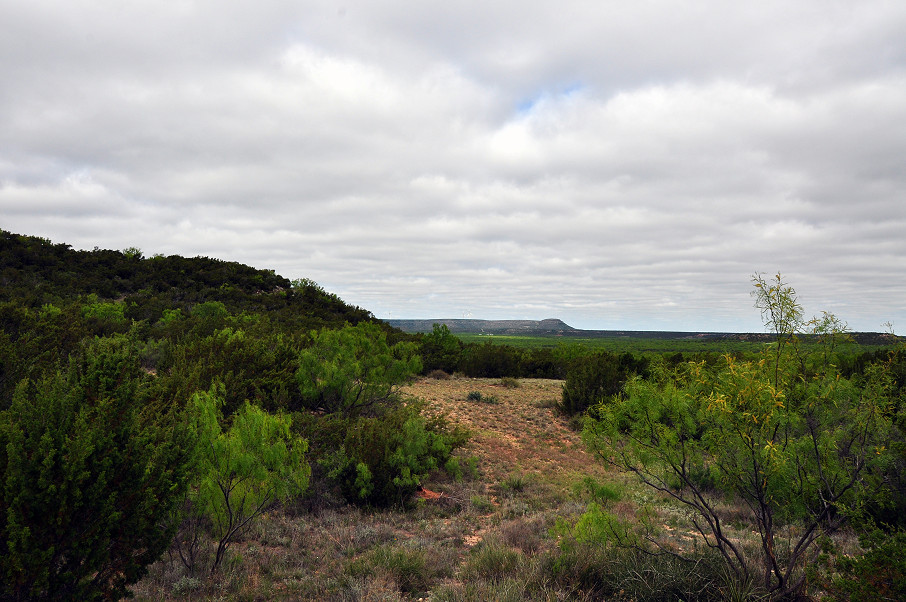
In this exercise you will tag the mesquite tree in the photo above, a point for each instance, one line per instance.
(245, 470)
(793, 443)
(353, 370)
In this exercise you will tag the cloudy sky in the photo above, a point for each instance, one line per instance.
(618, 165)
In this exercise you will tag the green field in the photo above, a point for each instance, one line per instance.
(637, 346)
(617, 344)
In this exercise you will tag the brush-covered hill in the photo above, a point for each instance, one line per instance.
(55, 300)
(35, 271)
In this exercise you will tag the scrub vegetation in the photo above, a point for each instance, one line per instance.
(176, 428)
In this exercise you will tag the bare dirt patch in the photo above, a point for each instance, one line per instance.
(517, 431)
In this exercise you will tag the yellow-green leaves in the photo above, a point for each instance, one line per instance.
(352, 369)
(784, 433)
(246, 469)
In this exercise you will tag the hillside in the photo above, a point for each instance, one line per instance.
(35, 271)
(55, 300)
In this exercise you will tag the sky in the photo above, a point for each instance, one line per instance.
(617, 165)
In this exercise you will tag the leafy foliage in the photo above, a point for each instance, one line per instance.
(793, 442)
(255, 367)
(245, 470)
(595, 378)
(440, 350)
(380, 460)
(878, 574)
(352, 370)
(34, 271)
(490, 361)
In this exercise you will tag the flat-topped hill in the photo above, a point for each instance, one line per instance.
(548, 327)
(461, 326)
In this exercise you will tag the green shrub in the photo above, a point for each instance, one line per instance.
(514, 483)
(208, 317)
(478, 396)
(471, 470)
(878, 574)
(105, 318)
(783, 433)
(591, 379)
(598, 526)
(108, 312)
(381, 460)
(490, 360)
(481, 503)
(453, 468)
(510, 383)
(90, 476)
(598, 492)
(246, 469)
(440, 350)
(251, 367)
(353, 370)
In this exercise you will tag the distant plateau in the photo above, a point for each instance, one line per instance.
(553, 327)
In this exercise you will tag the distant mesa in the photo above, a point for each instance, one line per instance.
(551, 326)
(548, 327)
(556, 327)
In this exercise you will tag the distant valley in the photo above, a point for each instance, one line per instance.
(557, 327)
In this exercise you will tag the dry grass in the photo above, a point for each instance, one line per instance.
(519, 433)
(525, 460)
(528, 470)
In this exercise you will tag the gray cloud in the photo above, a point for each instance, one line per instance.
(617, 165)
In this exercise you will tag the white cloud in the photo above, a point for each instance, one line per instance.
(616, 165)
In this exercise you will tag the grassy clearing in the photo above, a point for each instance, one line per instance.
(467, 543)
(503, 532)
